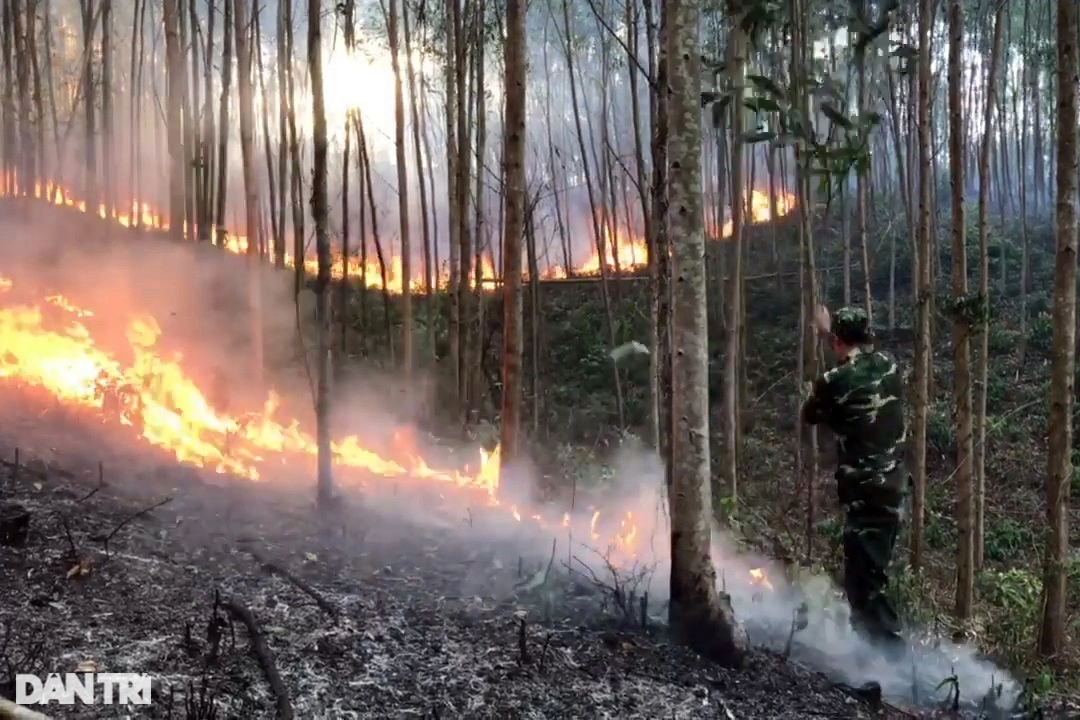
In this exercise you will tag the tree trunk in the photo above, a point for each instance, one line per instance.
(417, 128)
(454, 156)
(174, 119)
(320, 213)
(223, 122)
(729, 466)
(403, 197)
(241, 20)
(961, 329)
(1059, 471)
(514, 199)
(923, 287)
(701, 616)
(984, 287)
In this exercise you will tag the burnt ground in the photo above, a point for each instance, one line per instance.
(391, 620)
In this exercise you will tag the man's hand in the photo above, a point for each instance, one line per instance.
(822, 321)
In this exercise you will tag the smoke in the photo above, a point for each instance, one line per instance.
(804, 616)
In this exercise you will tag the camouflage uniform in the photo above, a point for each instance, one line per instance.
(860, 402)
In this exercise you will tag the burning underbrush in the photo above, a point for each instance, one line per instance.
(508, 552)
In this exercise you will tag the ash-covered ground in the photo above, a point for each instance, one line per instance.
(362, 614)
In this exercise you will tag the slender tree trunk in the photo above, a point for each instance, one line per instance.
(923, 286)
(90, 103)
(320, 213)
(403, 197)
(174, 119)
(206, 159)
(454, 157)
(1059, 470)
(965, 515)
(701, 616)
(729, 466)
(984, 287)
(514, 227)
(223, 121)
(417, 128)
(241, 20)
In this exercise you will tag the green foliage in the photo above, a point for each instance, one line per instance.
(1041, 333)
(997, 392)
(910, 593)
(1008, 540)
(939, 532)
(939, 429)
(831, 529)
(1002, 339)
(973, 308)
(1014, 599)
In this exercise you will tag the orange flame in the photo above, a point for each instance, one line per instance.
(623, 251)
(153, 395)
(628, 252)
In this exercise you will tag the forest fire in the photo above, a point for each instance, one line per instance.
(50, 347)
(56, 352)
(624, 251)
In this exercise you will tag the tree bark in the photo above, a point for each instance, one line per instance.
(961, 329)
(403, 196)
(922, 286)
(701, 616)
(513, 228)
(1059, 470)
(979, 491)
(320, 213)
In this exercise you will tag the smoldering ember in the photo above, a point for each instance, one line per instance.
(540, 360)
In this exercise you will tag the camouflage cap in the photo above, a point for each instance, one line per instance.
(852, 326)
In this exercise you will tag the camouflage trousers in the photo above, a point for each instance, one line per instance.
(870, 537)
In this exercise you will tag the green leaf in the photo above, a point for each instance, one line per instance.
(836, 116)
(761, 104)
(708, 97)
(757, 136)
(907, 52)
(766, 84)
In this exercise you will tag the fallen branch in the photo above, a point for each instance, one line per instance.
(272, 566)
(11, 711)
(100, 486)
(106, 538)
(262, 654)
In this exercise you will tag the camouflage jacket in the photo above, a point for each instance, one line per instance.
(860, 401)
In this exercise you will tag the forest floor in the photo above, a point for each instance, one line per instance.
(362, 615)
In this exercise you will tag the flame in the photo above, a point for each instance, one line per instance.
(628, 252)
(624, 251)
(758, 577)
(152, 394)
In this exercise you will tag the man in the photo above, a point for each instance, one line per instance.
(859, 400)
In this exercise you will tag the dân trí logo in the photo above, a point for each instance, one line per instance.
(87, 688)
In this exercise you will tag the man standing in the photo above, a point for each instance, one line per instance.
(859, 400)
